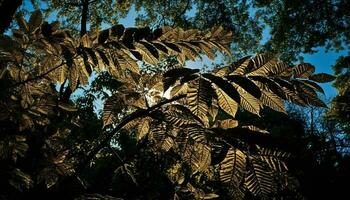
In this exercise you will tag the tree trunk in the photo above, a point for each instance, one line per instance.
(83, 30)
(84, 15)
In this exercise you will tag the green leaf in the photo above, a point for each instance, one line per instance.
(255, 129)
(313, 85)
(67, 107)
(227, 123)
(249, 102)
(150, 48)
(269, 84)
(272, 101)
(179, 115)
(126, 62)
(142, 33)
(92, 55)
(160, 46)
(197, 155)
(68, 56)
(143, 128)
(233, 68)
(179, 72)
(232, 171)
(173, 47)
(103, 56)
(147, 56)
(274, 158)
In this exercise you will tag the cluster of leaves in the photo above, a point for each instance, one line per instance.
(232, 15)
(201, 127)
(340, 111)
(294, 27)
(310, 24)
(196, 120)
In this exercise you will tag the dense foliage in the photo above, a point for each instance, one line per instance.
(340, 110)
(181, 124)
(55, 143)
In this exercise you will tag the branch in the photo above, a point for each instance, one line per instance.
(80, 4)
(84, 17)
(252, 138)
(116, 154)
(62, 88)
(127, 119)
(93, 1)
(75, 4)
(37, 77)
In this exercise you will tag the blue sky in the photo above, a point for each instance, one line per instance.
(323, 61)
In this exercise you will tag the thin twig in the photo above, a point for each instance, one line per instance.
(37, 77)
(127, 119)
(116, 154)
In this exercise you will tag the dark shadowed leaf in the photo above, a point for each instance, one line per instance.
(117, 31)
(322, 78)
(103, 36)
(225, 86)
(35, 20)
(246, 84)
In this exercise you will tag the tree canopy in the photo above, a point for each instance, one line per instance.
(165, 131)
